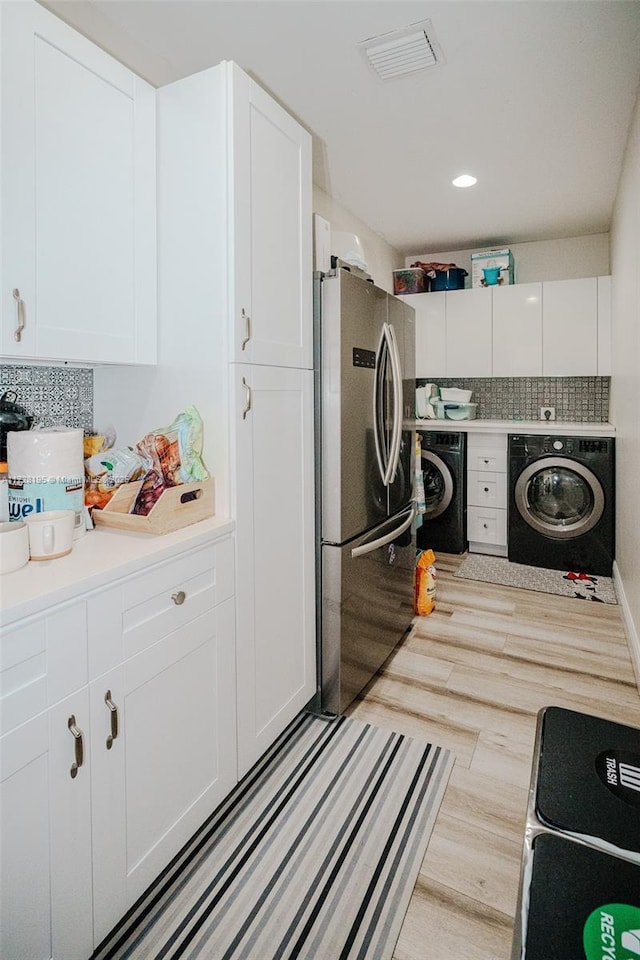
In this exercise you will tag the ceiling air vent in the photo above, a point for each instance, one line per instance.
(402, 52)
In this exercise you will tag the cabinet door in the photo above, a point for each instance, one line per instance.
(431, 338)
(604, 326)
(174, 758)
(468, 332)
(271, 304)
(70, 815)
(46, 905)
(274, 513)
(517, 330)
(570, 327)
(78, 196)
(25, 863)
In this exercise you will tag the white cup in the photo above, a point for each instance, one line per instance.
(14, 546)
(50, 533)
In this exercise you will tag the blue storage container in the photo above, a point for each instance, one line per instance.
(452, 279)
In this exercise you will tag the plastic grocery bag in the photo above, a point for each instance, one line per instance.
(425, 583)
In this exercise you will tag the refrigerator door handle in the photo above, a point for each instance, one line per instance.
(378, 413)
(396, 370)
(387, 538)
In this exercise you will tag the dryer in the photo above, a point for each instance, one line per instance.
(444, 473)
(561, 502)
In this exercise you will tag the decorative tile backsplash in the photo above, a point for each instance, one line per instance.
(520, 398)
(54, 396)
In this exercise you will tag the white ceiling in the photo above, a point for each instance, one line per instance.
(534, 98)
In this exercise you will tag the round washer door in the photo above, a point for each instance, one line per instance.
(558, 497)
(438, 484)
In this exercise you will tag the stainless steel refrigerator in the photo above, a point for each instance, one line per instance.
(365, 390)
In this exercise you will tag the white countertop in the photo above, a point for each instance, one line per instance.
(99, 557)
(568, 428)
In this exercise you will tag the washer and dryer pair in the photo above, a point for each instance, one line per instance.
(561, 499)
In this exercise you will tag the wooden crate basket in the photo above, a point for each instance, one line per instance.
(176, 507)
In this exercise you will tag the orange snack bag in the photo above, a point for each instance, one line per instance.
(424, 596)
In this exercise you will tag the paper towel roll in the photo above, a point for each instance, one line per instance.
(45, 453)
(46, 472)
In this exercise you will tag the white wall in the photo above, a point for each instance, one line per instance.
(382, 259)
(567, 259)
(625, 381)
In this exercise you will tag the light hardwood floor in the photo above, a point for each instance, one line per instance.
(472, 677)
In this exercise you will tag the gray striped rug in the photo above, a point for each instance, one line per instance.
(313, 855)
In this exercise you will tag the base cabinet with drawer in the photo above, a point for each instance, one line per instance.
(103, 786)
(487, 493)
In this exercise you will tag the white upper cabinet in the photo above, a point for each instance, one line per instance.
(78, 197)
(517, 330)
(270, 170)
(604, 326)
(469, 333)
(557, 328)
(570, 328)
(431, 332)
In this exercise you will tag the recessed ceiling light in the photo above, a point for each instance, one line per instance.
(466, 180)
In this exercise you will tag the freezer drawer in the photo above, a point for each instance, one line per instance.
(367, 605)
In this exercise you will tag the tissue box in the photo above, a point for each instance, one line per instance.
(409, 280)
(492, 258)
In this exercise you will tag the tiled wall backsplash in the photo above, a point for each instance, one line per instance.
(520, 398)
(54, 396)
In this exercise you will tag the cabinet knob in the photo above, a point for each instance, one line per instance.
(486, 489)
(486, 461)
(113, 714)
(78, 745)
(247, 406)
(247, 328)
(179, 598)
(486, 526)
(22, 317)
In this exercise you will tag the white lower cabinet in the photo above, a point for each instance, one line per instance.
(102, 789)
(487, 493)
(46, 903)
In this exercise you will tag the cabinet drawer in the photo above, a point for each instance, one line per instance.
(176, 602)
(487, 459)
(41, 661)
(172, 594)
(485, 489)
(487, 525)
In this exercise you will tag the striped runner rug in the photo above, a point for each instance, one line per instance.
(313, 855)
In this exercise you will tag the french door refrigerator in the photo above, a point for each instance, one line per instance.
(365, 390)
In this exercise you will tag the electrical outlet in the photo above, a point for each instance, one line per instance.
(547, 413)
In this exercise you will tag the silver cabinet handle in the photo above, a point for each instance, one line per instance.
(247, 328)
(113, 714)
(179, 598)
(22, 315)
(247, 406)
(78, 744)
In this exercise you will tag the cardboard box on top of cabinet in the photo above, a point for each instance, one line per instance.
(488, 259)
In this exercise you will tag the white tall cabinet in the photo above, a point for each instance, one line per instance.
(234, 173)
(78, 197)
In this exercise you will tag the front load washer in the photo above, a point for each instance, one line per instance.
(444, 473)
(561, 502)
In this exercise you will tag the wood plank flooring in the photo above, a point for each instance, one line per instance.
(472, 677)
